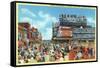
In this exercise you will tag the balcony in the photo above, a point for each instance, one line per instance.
(84, 30)
(83, 36)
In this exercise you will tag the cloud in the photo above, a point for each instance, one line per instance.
(42, 21)
(46, 24)
(47, 16)
(26, 19)
(47, 34)
(27, 11)
(91, 21)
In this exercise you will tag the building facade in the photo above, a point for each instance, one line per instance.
(73, 28)
(26, 33)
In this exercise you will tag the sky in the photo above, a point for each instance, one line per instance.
(42, 17)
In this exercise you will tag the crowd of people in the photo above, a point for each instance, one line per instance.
(58, 52)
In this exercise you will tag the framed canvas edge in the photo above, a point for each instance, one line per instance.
(13, 33)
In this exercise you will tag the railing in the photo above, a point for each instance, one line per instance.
(83, 36)
(84, 30)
